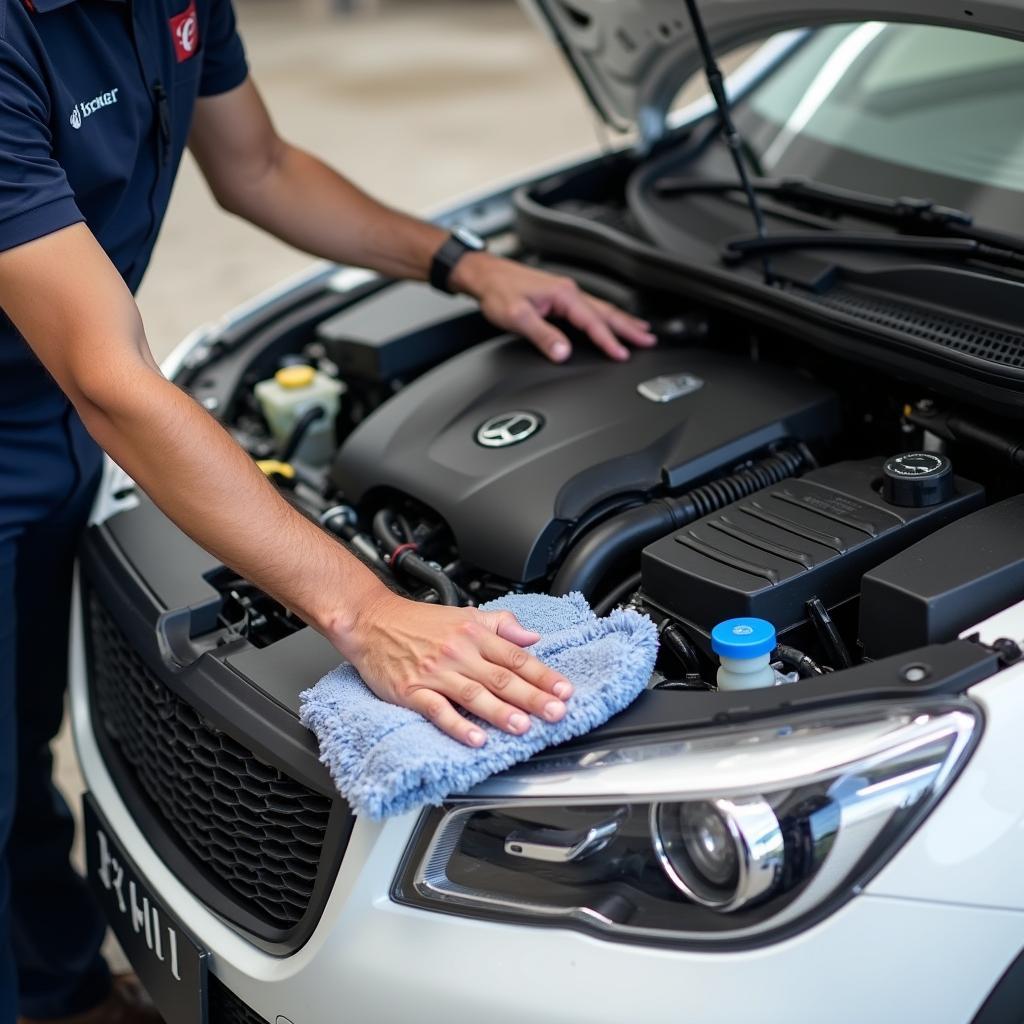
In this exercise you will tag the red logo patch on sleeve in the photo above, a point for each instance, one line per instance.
(185, 32)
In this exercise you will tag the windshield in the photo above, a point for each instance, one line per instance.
(899, 109)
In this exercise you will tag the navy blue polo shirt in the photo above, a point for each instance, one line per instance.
(96, 102)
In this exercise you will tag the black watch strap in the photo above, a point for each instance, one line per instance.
(458, 243)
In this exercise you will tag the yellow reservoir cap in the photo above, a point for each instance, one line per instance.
(295, 376)
(272, 467)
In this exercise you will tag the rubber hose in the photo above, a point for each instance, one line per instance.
(955, 428)
(299, 431)
(612, 541)
(617, 594)
(385, 532)
(410, 562)
(590, 560)
(676, 641)
(828, 634)
(1011, 448)
(804, 664)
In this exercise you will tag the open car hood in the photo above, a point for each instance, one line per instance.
(633, 56)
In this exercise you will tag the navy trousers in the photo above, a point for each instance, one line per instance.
(50, 927)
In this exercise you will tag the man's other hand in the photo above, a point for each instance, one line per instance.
(521, 299)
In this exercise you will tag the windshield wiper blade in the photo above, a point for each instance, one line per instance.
(906, 211)
(936, 230)
(739, 249)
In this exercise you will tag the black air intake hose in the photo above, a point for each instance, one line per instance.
(405, 559)
(598, 553)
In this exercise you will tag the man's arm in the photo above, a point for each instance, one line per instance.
(86, 330)
(254, 173)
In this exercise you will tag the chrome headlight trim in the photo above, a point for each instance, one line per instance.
(757, 840)
(881, 764)
(739, 759)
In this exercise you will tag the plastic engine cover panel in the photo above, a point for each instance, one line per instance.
(768, 554)
(590, 436)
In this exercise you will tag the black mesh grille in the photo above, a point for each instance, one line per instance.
(990, 343)
(227, 1008)
(257, 833)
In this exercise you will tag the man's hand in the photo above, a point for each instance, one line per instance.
(432, 659)
(521, 298)
(255, 174)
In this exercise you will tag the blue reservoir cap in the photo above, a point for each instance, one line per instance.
(743, 638)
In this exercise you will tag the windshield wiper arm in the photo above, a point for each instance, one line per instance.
(903, 210)
(936, 230)
(716, 86)
(926, 245)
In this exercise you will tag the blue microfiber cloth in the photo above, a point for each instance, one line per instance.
(387, 760)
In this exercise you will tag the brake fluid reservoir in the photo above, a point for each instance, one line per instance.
(744, 647)
(288, 396)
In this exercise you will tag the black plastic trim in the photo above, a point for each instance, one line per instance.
(236, 707)
(1005, 1003)
(949, 669)
(227, 1008)
(560, 235)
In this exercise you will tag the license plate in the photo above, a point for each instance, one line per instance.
(168, 962)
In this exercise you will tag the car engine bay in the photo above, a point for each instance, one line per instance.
(729, 472)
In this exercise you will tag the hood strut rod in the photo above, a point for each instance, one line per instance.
(713, 76)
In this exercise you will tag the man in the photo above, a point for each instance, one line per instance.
(98, 99)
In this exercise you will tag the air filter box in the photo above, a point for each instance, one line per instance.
(945, 583)
(767, 555)
(401, 331)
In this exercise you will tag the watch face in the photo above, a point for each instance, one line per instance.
(470, 239)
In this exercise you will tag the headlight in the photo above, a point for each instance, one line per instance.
(703, 838)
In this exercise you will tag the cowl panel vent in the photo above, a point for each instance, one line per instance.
(1005, 348)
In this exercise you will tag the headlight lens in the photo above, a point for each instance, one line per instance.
(716, 837)
(721, 853)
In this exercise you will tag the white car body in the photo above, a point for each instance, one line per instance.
(926, 940)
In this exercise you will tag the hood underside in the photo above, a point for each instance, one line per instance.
(633, 56)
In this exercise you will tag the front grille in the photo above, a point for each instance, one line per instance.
(252, 830)
(957, 333)
(227, 1008)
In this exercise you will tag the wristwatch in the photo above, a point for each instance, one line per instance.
(458, 243)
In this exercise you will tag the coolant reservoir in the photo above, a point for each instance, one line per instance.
(288, 396)
(744, 647)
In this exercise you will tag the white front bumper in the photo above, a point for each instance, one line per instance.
(926, 942)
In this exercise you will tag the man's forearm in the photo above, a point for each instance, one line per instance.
(89, 335)
(256, 174)
(199, 477)
(307, 204)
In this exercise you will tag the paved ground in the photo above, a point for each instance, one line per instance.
(418, 102)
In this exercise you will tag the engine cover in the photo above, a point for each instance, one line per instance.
(767, 555)
(512, 450)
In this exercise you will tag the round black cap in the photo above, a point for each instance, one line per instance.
(917, 479)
